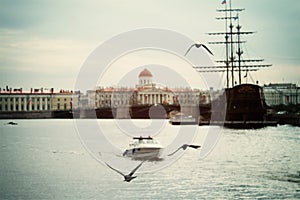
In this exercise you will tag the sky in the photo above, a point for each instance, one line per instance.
(46, 43)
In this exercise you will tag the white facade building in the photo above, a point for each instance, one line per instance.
(13, 100)
(113, 97)
(281, 93)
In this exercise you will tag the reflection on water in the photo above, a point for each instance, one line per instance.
(44, 159)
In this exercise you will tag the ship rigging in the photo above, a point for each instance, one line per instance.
(245, 104)
(232, 65)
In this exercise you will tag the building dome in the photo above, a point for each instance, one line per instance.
(145, 73)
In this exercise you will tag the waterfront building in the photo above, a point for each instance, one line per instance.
(88, 100)
(146, 92)
(13, 100)
(114, 97)
(281, 93)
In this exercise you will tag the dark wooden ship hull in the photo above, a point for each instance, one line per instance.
(241, 107)
(245, 102)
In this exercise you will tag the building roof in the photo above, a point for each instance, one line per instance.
(145, 72)
(34, 91)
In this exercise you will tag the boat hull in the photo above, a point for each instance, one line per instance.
(143, 153)
(183, 121)
(245, 108)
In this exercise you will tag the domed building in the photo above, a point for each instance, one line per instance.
(145, 78)
(148, 93)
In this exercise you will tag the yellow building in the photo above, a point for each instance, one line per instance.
(64, 100)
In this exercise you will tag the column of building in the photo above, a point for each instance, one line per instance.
(8, 104)
(14, 103)
(35, 103)
(2, 104)
(41, 103)
(46, 103)
(30, 104)
(19, 104)
(143, 98)
(25, 103)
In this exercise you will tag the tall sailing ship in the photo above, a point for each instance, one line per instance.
(245, 103)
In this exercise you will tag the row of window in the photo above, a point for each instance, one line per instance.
(64, 99)
(22, 99)
(64, 108)
(114, 96)
(33, 107)
(141, 95)
(22, 108)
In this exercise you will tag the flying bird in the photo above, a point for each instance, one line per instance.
(129, 176)
(198, 45)
(184, 147)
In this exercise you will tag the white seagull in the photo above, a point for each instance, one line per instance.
(129, 176)
(184, 147)
(198, 45)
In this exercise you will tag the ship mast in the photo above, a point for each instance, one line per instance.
(226, 44)
(239, 52)
(231, 44)
(233, 65)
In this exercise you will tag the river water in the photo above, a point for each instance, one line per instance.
(48, 159)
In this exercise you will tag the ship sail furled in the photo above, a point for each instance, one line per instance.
(232, 65)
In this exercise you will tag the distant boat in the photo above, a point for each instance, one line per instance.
(12, 123)
(144, 148)
(181, 119)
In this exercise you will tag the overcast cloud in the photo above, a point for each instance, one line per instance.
(44, 43)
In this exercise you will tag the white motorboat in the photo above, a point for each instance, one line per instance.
(144, 148)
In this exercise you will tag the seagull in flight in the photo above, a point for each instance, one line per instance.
(129, 176)
(184, 147)
(198, 46)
